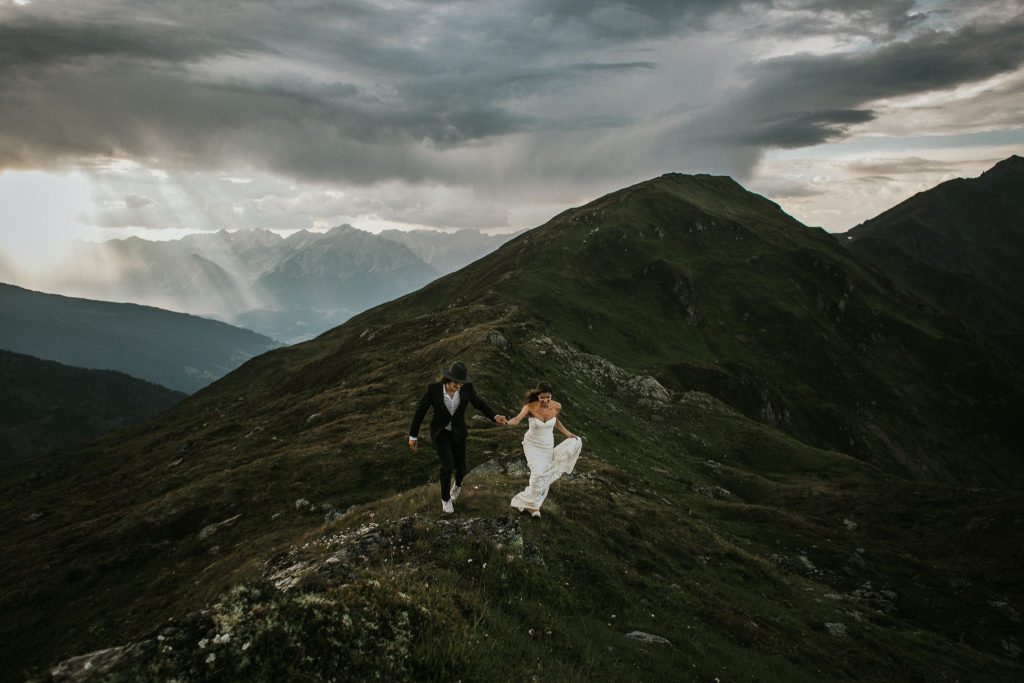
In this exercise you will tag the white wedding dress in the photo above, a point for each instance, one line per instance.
(547, 462)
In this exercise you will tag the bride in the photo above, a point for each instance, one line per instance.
(547, 461)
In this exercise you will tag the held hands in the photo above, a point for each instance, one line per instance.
(501, 419)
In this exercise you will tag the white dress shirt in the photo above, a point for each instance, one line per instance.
(451, 401)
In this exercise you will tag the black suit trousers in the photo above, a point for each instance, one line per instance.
(451, 451)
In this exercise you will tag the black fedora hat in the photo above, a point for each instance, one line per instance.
(457, 373)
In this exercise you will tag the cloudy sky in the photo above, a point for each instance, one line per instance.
(162, 118)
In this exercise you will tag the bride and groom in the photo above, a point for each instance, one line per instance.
(452, 394)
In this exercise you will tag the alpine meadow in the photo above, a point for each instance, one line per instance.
(794, 468)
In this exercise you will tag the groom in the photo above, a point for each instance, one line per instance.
(448, 431)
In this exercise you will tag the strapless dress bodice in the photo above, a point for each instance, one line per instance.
(541, 432)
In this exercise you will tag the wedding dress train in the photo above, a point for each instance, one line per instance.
(547, 462)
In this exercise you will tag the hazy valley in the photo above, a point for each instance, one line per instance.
(288, 288)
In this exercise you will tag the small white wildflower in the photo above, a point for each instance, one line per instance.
(246, 646)
(203, 643)
(211, 658)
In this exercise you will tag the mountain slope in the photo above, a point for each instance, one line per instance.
(958, 245)
(705, 345)
(704, 286)
(182, 352)
(46, 405)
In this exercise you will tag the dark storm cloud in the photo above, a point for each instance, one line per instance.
(145, 91)
(34, 42)
(361, 92)
(803, 100)
(801, 128)
(632, 18)
(649, 19)
(79, 88)
(876, 18)
(930, 61)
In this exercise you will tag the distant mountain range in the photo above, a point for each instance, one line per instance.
(175, 350)
(447, 252)
(289, 288)
(958, 246)
(46, 405)
(793, 469)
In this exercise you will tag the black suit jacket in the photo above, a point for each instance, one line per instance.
(433, 397)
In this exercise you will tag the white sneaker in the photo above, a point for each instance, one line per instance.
(456, 490)
(447, 506)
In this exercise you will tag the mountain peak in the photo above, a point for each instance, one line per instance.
(343, 229)
(712, 194)
(1011, 165)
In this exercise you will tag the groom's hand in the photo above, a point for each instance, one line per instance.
(500, 419)
(413, 444)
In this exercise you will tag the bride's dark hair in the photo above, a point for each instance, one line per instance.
(541, 388)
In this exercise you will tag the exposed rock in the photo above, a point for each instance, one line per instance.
(497, 339)
(336, 556)
(838, 630)
(302, 504)
(341, 636)
(715, 492)
(801, 564)
(850, 524)
(1006, 609)
(854, 564)
(211, 529)
(289, 577)
(882, 600)
(706, 403)
(90, 667)
(648, 388)
(514, 466)
(594, 370)
(647, 638)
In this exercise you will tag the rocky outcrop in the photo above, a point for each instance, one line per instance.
(643, 390)
(325, 604)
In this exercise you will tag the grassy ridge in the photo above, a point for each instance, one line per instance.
(741, 583)
(805, 394)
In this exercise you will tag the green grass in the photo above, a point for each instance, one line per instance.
(735, 533)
